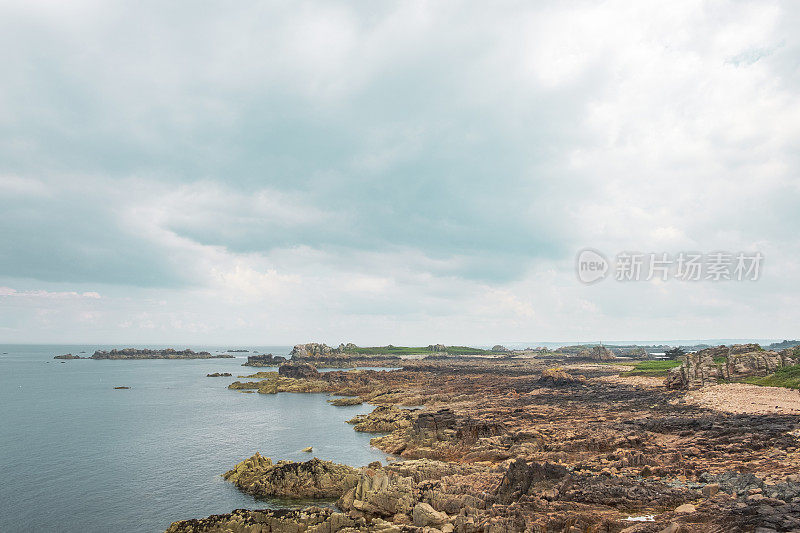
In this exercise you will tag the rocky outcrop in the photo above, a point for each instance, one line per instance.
(310, 519)
(439, 348)
(219, 375)
(732, 363)
(264, 360)
(312, 350)
(523, 478)
(346, 401)
(298, 370)
(515, 454)
(597, 353)
(380, 493)
(69, 356)
(310, 479)
(558, 377)
(167, 353)
(383, 419)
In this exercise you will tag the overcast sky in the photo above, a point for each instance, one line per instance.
(378, 172)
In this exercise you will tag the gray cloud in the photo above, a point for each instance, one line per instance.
(414, 151)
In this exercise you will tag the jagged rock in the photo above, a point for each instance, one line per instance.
(500, 348)
(298, 370)
(522, 477)
(381, 493)
(439, 348)
(311, 350)
(219, 375)
(383, 419)
(425, 515)
(310, 479)
(344, 348)
(740, 361)
(756, 363)
(556, 376)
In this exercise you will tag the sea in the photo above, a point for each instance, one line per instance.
(78, 455)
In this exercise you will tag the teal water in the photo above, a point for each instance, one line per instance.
(78, 455)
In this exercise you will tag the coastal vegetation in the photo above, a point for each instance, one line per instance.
(653, 368)
(788, 377)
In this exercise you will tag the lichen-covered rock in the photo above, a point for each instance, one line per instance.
(258, 476)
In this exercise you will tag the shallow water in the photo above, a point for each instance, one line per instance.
(78, 455)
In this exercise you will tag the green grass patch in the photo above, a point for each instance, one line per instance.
(788, 376)
(652, 368)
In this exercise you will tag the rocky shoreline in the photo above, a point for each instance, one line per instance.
(523, 444)
(134, 353)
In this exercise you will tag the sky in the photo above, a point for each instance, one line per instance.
(393, 172)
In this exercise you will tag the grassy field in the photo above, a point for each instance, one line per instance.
(652, 368)
(416, 350)
(788, 377)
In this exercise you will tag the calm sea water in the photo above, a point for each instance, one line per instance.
(78, 455)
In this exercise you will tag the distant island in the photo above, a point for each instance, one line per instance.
(133, 353)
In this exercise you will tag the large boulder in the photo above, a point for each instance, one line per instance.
(262, 478)
(424, 515)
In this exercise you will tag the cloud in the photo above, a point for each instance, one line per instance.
(9, 292)
(433, 166)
